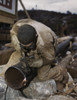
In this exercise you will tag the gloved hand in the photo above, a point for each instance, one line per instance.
(59, 73)
(37, 63)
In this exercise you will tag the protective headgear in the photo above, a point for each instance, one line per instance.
(27, 34)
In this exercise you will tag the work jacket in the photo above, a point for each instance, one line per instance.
(46, 41)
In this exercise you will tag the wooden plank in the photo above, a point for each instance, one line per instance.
(7, 14)
(5, 19)
(5, 37)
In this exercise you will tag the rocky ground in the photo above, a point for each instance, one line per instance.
(36, 91)
(45, 90)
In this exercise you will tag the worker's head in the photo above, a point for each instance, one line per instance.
(27, 37)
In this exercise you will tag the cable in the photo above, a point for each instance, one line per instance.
(6, 92)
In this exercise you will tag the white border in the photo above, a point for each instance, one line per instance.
(11, 11)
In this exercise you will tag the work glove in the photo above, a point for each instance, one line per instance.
(59, 73)
(37, 63)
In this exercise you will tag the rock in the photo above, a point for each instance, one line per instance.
(68, 53)
(70, 65)
(2, 88)
(72, 68)
(14, 95)
(75, 55)
(5, 55)
(40, 90)
(10, 94)
(62, 48)
(20, 98)
(76, 39)
(60, 97)
(66, 60)
(36, 91)
(74, 46)
(75, 89)
(70, 78)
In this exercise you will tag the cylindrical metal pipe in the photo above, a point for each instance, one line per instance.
(18, 76)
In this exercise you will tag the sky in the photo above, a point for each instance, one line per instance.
(50, 5)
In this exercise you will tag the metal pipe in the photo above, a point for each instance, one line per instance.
(19, 76)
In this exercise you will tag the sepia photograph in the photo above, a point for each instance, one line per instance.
(38, 49)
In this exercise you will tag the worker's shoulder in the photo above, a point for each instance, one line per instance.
(31, 22)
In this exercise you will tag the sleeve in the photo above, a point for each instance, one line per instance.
(47, 53)
(14, 39)
(46, 56)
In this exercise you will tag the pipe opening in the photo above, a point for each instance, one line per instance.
(14, 77)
